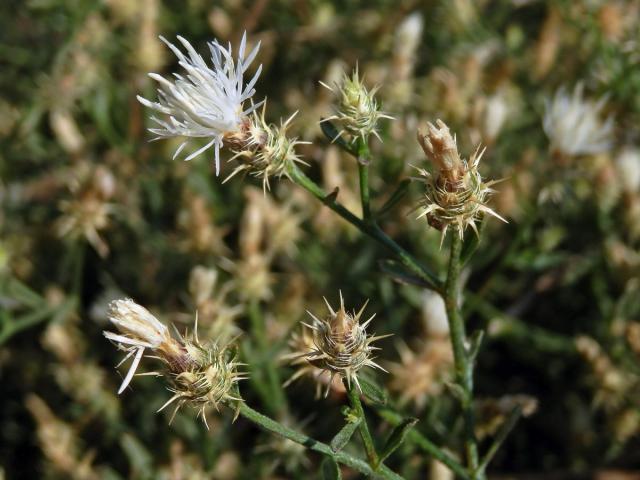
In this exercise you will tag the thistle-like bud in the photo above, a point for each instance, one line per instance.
(340, 345)
(358, 111)
(456, 194)
(200, 375)
(264, 150)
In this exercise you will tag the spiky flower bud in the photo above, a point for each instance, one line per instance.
(340, 345)
(358, 111)
(200, 375)
(455, 194)
(264, 150)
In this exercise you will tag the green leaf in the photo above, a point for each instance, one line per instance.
(396, 271)
(457, 391)
(333, 134)
(400, 191)
(397, 436)
(18, 291)
(344, 435)
(474, 344)
(372, 391)
(470, 244)
(330, 469)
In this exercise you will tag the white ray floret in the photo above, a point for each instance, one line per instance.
(207, 102)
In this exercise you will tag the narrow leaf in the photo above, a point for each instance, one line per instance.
(400, 274)
(344, 435)
(474, 344)
(471, 242)
(333, 134)
(372, 391)
(397, 436)
(396, 196)
(330, 469)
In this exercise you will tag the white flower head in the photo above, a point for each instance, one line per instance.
(207, 102)
(573, 124)
(139, 330)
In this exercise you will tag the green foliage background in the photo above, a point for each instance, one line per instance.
(556, 273)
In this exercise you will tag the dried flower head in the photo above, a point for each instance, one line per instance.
(200, 375)
(265, 151)
(423, 372)
(358, 111)
(303, 341)
(456, 195)
(573, 124)
(207, 102)
(340, 345)
(89, 211)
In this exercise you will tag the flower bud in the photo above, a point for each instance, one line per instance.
(358, 111)
(341, 345)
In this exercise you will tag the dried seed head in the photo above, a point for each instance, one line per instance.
(440, 147)
(264, 150)
(456, 195)
(210, 380)
(423, 372)
(358, 111)
(340, 345)
(199, 375)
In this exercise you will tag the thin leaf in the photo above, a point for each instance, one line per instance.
(471, 243)
(333, 134)
(344, 435)
(330, 469)
(372, 391)
(474, 344)
(396, 271)
(400, 191)
(397, 436)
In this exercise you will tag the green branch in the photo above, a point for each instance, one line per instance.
(356, 405)
(370, 229)
(463, 364)
(272, 426)
(425, 444)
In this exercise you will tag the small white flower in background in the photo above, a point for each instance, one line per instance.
(208, 101)
(573, 124)
(434, 314)
(628, 165)
(495, 115)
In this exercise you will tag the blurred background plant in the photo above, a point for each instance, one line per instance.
(92, 212)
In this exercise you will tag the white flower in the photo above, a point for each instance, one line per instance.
(628, 164)
(207, 102)
(573, 124)
(434, 314)
(140, 330)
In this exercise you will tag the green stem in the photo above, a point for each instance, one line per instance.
(502, 434)
(276, 399)
(363, 173)
(272, 426)
(370, 229)
(463, 365)
(356, 405)
(426, 445)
